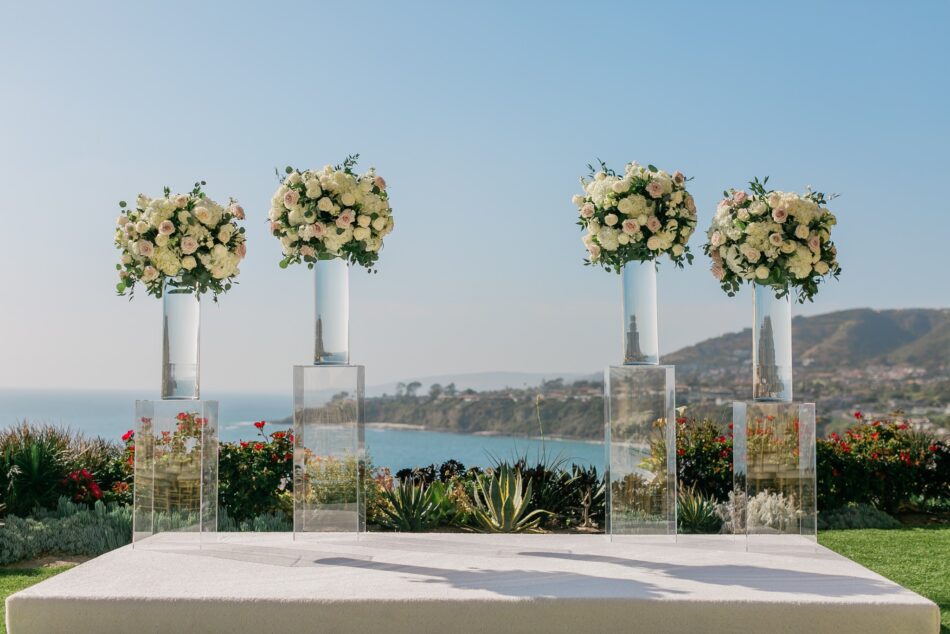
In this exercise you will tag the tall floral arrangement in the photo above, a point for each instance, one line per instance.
(773, 238)
(185, 237)
(331, 213)
(638, 215)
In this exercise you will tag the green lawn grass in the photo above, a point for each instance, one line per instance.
(14, 579)
(916, 558)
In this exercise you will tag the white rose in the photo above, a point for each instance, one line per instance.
(225, 233)
(762, 272)
(181, 200)
(361, 233)
(801, 232)
(325, 204)
(821, 267)
(141, 226)
(293, 178)
(600, 176)
(611, 219)
(363, 220)
(678, 250)
(161, 240)
(379, 224)
(653, 243)
(620, 186)
(348, 199)
(642, 219)
(578, 200)
(202, 214)
(188, 262)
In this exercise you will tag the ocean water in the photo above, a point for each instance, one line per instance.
(110, 414)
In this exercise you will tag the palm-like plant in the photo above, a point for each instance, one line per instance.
(414, 507)
(696, 513)
(501, 503)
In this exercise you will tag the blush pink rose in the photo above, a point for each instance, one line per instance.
(654, 224)
(380, 182)
(319, 229)
(776, 239)
(241, 250)
(630, 226)
(237, 211)
(166, 228)
(274, 228)
(678, 177)
(145, 248)
(291, 198)
(739, 197)
(587, 211)
(307, 251)
(814, 243)
(779, 214)
(655, 189)
(181, 201)
(188, 245)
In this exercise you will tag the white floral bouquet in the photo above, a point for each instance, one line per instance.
(639, 215)
(773, 238)
(331, 213)
(187, 239)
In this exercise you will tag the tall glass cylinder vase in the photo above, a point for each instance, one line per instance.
(771, 346)
(640, 342)
(181, 319)
(332, 312)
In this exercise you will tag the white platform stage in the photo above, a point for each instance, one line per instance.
(466, 583)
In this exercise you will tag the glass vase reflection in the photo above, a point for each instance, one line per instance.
(331, 312)
(175, 497)
(640, 341)
(771, 346)
(640, 441)
(774, 495)
(181, 318)
(328, 449)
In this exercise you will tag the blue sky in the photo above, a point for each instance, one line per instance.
(481, 118)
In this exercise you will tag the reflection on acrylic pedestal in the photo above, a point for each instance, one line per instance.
(175, 499)
(640, 434)
(328, 449)
(774, 500)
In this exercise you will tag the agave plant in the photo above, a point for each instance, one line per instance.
(415, 507)
(696, 513)
(501, 503)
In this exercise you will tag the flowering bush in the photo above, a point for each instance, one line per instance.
(881, 462)
(639, 215)
(704, 457)
(774, 238)
(81, 487)
(256, 477)
(185, 237)
(331, 213)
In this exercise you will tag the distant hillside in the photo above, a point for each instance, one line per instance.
(840, 340)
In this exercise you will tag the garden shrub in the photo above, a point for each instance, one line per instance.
(254, 475)
(704, 457)
(855, 516)
(69, 529)
(696, 513)
(880, 462)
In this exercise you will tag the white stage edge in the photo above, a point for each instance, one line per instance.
(395, 584)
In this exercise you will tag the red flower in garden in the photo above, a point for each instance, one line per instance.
(721, 439)
(933, 448)
(260, 424)
(290, 437)
(845, 447)
(277, 435)
(680, 452)
(730, 425)
(182, 416)
(835, 437)
(258, 446)
(874, 455)
(724, 453)
(905, 457)
(903, 426)
(95, 490)
(288, 456)
(875, 435)
(127, 436)
(681, 420)
(876, 423)
(244, 444)
(858, 415)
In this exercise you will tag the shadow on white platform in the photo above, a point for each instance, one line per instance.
(395, 584)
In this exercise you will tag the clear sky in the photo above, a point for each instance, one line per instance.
(481, 117)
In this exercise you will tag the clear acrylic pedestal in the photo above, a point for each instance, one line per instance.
(640, 441)
(328, 449)
(774, 482)
(175, 500)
